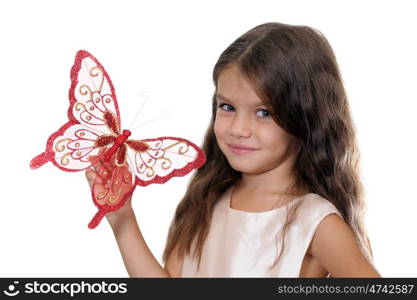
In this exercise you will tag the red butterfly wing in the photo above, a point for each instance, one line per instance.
(93, 112)
(158, 160)
(94, 124)
(112, 186)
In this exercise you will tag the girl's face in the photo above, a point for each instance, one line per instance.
(246, 133)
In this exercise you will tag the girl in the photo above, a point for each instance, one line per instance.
(280, 194)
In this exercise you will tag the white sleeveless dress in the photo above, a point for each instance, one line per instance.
(245, 244)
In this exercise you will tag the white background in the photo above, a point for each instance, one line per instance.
(168, 49)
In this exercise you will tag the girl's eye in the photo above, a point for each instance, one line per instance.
(226, 107)
(263, 113)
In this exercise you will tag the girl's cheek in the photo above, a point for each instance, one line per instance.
(217, 125)
(220, 120)
(220, 129)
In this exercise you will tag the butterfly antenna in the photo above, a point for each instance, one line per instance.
(165, 115)
(144, 96)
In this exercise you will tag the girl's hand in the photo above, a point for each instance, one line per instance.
(116, 216)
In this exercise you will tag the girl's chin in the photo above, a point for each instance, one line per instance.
(247, 169)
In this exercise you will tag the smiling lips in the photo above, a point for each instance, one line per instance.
(240, 149)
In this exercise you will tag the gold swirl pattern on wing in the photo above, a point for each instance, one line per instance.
(95, 72)
(113, 198)
(79, 106)
(59, 147)
(84, 90)
(150, 172)
(65, 160)
(166, 164)
(183, 147)
(126, 178)
(101, 195)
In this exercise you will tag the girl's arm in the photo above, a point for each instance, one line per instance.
(335, 246)
(137, 257)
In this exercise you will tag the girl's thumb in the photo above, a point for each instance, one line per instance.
(91, 176)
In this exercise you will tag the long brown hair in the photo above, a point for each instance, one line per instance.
(294, 71)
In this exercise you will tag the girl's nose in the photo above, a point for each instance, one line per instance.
(240, 127)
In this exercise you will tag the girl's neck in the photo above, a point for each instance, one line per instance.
(278, 181)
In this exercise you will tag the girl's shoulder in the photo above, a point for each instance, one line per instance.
(313, 212)
(315, 206)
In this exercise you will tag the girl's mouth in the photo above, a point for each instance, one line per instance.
(240, 149)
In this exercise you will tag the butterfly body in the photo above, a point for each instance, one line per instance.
(92, 137)
(118, 142)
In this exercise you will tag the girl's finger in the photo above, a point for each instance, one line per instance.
(90, 175)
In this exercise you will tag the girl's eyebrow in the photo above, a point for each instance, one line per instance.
(222, 97)
(219, 96)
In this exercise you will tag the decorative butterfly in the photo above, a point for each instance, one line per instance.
(93, 137)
